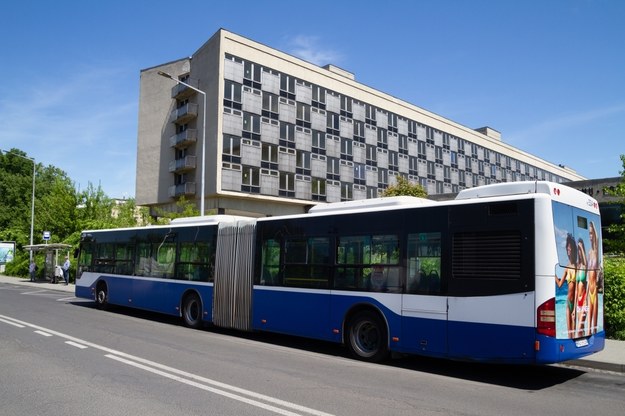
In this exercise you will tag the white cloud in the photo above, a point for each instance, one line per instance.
(308, 48)
(567, 122)
(84, 124)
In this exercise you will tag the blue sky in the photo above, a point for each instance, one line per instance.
(548, 74)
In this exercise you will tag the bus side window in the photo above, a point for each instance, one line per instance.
(424, 263)
(271, 263)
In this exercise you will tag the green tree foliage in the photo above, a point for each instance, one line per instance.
(59, 208)
(614, 242)
(184, 208)
(614, 286)
(405, 187)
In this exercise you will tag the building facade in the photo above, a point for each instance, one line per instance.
(282, 134)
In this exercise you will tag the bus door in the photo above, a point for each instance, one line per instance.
(424, 309)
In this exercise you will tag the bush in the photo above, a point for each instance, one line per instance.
(614, 308)
(19, 266)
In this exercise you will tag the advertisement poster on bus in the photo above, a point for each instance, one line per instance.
(578, 274)
(7, 251)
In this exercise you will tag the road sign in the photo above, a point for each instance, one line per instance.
(46, 235)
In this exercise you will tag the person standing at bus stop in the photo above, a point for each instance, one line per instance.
(66, 270)
(32, 269)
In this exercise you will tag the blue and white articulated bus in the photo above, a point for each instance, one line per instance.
(506, 273)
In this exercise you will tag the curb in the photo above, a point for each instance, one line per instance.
(597, 365)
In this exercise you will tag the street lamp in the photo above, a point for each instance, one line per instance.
(166, 75)
(32, 205)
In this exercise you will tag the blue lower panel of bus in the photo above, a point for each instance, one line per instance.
(156, 295)
(552, 350)
(489, 342)
(296, 313)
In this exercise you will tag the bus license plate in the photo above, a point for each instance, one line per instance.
(581, 342)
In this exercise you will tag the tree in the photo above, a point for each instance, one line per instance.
(405, 187)
(614, 242)
(184, 209)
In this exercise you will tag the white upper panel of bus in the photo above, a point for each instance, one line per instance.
(375, 203)
(556, 191)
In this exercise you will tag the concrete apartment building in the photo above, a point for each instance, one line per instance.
(282, 134)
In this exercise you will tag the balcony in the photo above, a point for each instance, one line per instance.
(183, 139)
(182, 189)
(180, 92)
(181, 165)
(183, 114)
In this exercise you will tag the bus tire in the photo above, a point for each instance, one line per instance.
(367, 337)
(101, 296)
(192, 311)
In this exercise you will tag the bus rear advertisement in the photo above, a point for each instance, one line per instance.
(504, 273)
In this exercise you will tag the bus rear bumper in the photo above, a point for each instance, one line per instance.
(552, 350)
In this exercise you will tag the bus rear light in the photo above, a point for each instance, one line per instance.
(546, 323)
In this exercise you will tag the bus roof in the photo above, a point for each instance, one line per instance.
(556, 191)
(375, 203)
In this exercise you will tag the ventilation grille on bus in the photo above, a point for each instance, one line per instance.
(487, 255)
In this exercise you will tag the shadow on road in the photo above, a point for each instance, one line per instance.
(524, 377)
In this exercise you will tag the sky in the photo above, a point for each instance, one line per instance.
(549, 75)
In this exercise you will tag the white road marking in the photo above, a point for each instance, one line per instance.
(34, 293)
(12, 323)
(227, 390)
(204, 386)
(64, 299)
(45, 334)
(75, 344)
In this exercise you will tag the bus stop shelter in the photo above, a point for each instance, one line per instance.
(52, 269)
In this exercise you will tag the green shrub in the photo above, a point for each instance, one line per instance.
(614, 308)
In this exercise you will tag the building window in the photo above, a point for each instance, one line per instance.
(421, 150)
(318, 189)
(431, 170)
(251, 126)
(333, 123)
(382, 139)
(232, 95)
(359, 174)
(287, 184)
(370, 115)
(231, 149)
(372, 155)
(346, 149)
(269, 156)
(346, 107)
(250, 179)
(438, 154)
(319, 142)
(359, 131)
(318, 97)
(303, 163)
(287, 135)
(270, 105)
(454, 160)
(392, 122)
(382, 178)
(403, 144)
(413, 167)
(346, 191)
(287, 86)
(303, 115)
(393, 161)
(252, 74)
(333, 172)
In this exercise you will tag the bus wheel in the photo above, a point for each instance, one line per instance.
(367, 337)
(192, 311)
(101, 296)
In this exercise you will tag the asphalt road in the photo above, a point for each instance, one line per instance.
(60, 356)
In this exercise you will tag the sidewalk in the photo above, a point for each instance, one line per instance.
(40, 284)
(612, 358)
